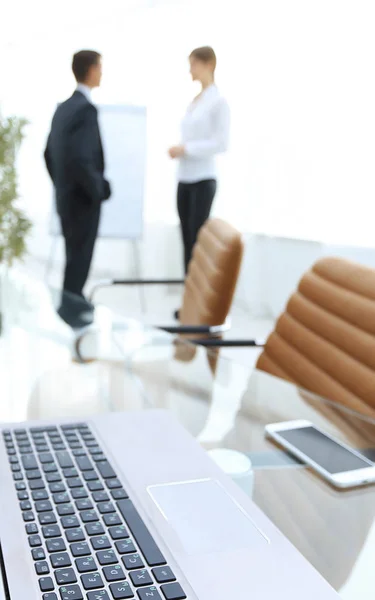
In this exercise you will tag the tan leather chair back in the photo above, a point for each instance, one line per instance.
(212, 275)
(325, 340)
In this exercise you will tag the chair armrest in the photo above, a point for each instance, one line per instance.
(219, 343)
(203, 329)
(111, 282)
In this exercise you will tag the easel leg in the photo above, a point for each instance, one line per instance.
(137, 264)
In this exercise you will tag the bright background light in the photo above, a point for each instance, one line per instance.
(299, 77)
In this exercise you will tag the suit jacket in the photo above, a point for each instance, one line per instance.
(74, 156)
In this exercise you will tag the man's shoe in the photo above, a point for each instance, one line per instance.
(75, 320)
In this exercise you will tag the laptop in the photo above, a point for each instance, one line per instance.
(128, 505)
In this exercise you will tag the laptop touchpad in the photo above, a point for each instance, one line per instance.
(204, 517)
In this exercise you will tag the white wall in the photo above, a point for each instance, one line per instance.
(298, 76)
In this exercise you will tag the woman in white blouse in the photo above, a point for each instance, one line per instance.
(205, 133)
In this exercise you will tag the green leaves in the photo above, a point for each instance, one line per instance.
(14, 225)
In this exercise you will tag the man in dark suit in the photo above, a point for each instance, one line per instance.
(75, 162)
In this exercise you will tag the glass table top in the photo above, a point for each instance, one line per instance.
(223, 404)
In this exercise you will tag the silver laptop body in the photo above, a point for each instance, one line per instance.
(215, 541)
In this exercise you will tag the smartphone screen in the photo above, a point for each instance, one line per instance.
(322, 450)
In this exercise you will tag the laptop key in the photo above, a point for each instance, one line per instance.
(90, 476)
(107, 557)
(163, 574)
(79, 493)
(75, 482)
(51, 531)
(50, 468)
(96, 454)
(95, 486)
(75, 535)
(43, 506)
(50, 596)
(71, 592)
(70, 522)
(133, 561)
(38, 554)
(88, 516)
(80, 549)
(119, 494)
(29, 461)
(121, 591)
(113, 484)
(25, 505)
(114, 573)
(65, 576)
(112, 519)
(64, 460)
(85, 565)
(56, 545)
(65, 509)
(100, 496)
(37, 484)
(140, 578)
(46, 584)
(33, 474)
(71, 472)
(61, 498)
(100, 543)
(118, 533)
(17, 476)
(47, 518)
(84, 504)
(92, 581)
(39, 495)
(34, 541)
(142, 536)
(84, 463)
(98, 595)
(42, 568)
(173, 591)
(106, 470)
(31, 528)
(20, 486)
(45, 458)
(60, 560)
(28, 516)
(94, 529)
(149, 593)
(125, 547)
(106, 507)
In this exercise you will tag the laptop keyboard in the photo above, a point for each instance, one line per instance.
(86, 537)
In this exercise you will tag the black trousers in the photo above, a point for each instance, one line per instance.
(194, 201)
(80, 229)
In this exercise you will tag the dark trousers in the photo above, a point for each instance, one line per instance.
(194, 201)
(80, 229)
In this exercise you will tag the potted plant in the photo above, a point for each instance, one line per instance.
(14, 224)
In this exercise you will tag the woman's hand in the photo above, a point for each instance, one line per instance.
(176, 151)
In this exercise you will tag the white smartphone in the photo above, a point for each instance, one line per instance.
(342, 466)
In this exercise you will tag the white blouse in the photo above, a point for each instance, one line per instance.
(205, 133)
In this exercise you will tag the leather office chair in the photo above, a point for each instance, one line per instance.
(325, 339)
(209, 286)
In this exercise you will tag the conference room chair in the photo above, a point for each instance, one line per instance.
(324, 341)
(209, 286)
